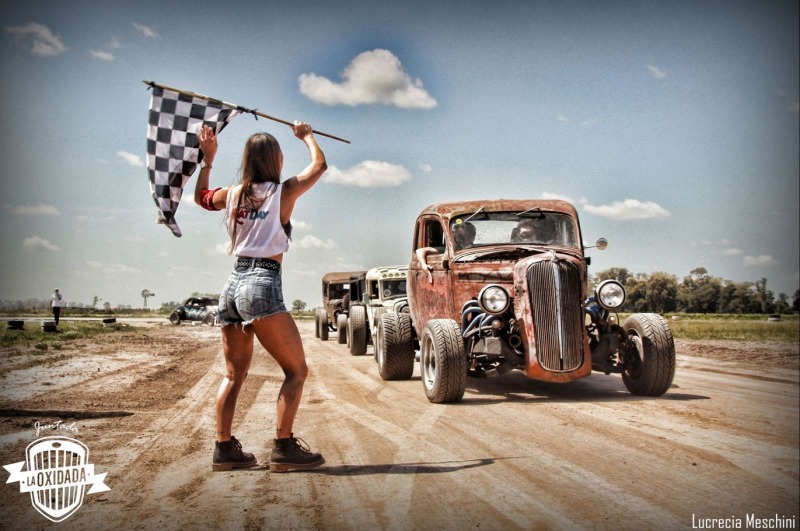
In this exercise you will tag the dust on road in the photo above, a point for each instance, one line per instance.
(514, 454)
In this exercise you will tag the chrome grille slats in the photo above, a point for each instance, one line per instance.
(554, 288)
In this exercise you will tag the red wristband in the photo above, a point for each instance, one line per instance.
(207, 199)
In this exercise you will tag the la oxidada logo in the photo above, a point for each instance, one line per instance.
(57, 474)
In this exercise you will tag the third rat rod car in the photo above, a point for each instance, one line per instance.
(498, 285)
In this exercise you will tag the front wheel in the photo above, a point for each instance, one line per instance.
(650, 355)
(394, 348)
(316, 324)
(443, 363)
(175, 318)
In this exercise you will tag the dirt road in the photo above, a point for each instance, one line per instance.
(515, 454)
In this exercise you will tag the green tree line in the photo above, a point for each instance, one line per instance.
(698, 292)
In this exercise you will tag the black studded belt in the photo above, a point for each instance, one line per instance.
(264, 263)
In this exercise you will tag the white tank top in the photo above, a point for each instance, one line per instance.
(259, 233)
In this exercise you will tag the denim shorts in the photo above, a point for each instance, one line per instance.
(250, 293)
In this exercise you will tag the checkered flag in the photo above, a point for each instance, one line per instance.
(172, 146)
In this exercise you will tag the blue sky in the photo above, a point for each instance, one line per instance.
(673, 127)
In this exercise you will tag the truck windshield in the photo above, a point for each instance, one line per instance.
(393, 288)
(510, 228)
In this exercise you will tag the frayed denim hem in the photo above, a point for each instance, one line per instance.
(250, 321)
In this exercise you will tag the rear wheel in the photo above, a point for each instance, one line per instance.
(394, 348)
(654, 355)
(443, 363)
(323, 324)
(175, 318)
(358, 330)
(341, 328)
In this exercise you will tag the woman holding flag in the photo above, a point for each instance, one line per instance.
(258, 212)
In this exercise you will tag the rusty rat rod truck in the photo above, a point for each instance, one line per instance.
(499, 285)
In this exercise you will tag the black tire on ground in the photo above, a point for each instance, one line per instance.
(341, 328)
(376, 316)
(358, 330)
(209, 320)
(323, 324)
(316, 323)
(653, 339)
(394, 348)
(443, 363)
(174, 318)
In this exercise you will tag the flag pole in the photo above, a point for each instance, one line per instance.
(215, 100)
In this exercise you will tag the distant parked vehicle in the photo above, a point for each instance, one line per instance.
(204, 309)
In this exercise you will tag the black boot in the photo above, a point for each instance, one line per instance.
(292, 453)
(229, 455)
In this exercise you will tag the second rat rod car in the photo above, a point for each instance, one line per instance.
(498, 285)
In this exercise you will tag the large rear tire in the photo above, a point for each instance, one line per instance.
(358, 330)
(316, 323)
(654, 369)
(341, 328)
(443, 363)
(323, 324)
(394, 348)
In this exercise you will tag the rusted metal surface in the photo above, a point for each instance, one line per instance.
(563, 343)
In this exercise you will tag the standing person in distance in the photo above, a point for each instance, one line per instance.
(55, 304)
(258, 212)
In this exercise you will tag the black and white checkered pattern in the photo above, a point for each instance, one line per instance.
(172, 146)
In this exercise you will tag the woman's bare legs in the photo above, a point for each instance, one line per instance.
(237, 344)
(278, 334)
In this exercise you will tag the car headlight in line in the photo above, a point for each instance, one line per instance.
(610, 294)
(493, 299)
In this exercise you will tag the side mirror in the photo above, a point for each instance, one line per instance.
(601, 244)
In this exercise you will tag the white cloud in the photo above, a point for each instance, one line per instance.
(37, 243)
(629, 209)
(146, 31)
(548, 195)
(374, 77)
(657, 72)
(112, 268)
(100, 54)
(369, 174)
(134, 160)
(731, 252)
(38, 39)
(115, 43)
(299, 224)
(427, 168)
(561, 118)
(759, 261)
(312, 242)
(35, 210)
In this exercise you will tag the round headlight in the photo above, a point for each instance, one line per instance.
(493, 299)
(610, 294)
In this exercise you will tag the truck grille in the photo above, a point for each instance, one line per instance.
(555, 291)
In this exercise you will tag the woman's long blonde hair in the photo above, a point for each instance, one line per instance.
(262, 162)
